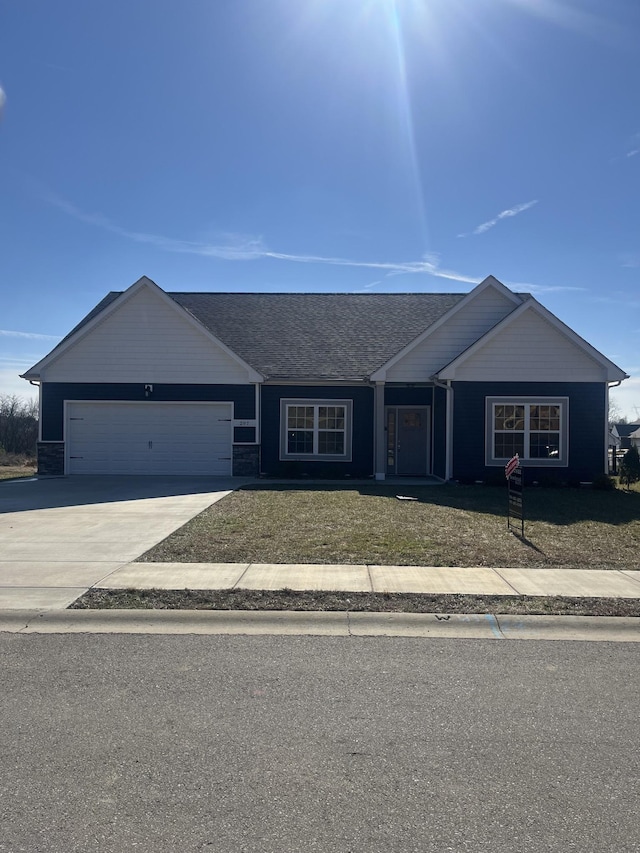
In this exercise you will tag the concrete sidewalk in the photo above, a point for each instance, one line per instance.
(478, 580)
(57, 590)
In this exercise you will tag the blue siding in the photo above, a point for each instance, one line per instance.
(55, 393)
(587, 418)
(244, 435)
(362, 440)
(408, 395)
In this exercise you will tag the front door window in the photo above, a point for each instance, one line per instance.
(391, 440)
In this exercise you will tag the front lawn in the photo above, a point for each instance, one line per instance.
(445, 526)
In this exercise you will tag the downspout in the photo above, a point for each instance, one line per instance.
(448, 435)
(379, 444)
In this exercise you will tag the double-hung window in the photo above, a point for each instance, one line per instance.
(316, 429)
(535, 429)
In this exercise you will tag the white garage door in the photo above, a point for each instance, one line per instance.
(148, 438)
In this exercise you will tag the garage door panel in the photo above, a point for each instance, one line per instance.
(148, 438)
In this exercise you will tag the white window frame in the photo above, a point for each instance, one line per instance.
(562, 461)
(315, 456)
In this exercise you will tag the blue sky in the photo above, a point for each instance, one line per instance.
(320, 145)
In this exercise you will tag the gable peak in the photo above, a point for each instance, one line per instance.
(145, 281)
(496, 284)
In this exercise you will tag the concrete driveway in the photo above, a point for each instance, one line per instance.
(60, 536)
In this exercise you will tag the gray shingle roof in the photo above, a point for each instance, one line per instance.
(316, 335)
(625, 430)
(312, 335)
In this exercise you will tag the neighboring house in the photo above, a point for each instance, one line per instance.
(326, 385)
(634, 438)
(626, 435)
(614, 451)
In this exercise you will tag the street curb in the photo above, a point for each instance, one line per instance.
(330, 623)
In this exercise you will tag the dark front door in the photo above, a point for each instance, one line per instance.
(408, 440)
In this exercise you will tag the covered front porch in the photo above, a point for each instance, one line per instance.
(410, 431)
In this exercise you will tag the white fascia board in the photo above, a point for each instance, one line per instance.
(144, 282)
(614, 373)
(380, 374)
(310, 382)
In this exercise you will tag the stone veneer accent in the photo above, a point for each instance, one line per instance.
(51, 457)
(246, 460)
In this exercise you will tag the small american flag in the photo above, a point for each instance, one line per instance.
(511, 466)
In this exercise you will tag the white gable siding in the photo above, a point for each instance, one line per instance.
(453, 337)
(530, 350)
(146, 340)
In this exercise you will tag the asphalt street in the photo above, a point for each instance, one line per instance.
(289, 744)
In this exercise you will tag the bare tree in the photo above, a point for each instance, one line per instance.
(615, 413)
(18, 425)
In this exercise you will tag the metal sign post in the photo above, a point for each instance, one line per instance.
(515, 509)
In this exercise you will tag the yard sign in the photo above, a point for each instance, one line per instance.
(515, 510)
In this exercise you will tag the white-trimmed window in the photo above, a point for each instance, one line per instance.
(316, 429)
(535, 429)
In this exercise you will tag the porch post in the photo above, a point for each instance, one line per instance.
(449, 432)
(379, 431)
(606, 436)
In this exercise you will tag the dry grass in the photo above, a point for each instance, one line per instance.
(14, 472)
(15, 466)
(371, 602)
(445, 526)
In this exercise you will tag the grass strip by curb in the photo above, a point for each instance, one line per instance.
(396, 602)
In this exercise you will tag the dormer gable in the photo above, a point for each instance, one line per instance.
(484, 306)
(531, 345)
